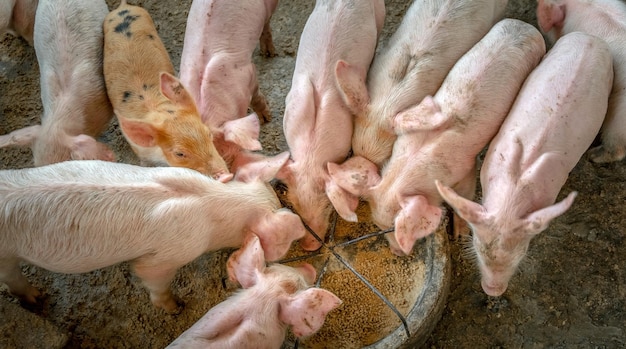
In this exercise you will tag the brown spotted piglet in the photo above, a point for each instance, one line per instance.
(274, 297)
(156, 114)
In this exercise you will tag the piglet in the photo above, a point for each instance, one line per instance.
(605, 19)
(441, 137)
(554, 119)
(157, 115)
(68, 45)
(18, 18)
(336, 48)
(158, 219)
(216, 67)
(432, 36)
(273, 298)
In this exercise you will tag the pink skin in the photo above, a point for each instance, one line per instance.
(554, 119)
(257, 316)
(175, 214)
(414, 63)
(441, 137)
(605, 19)
(217, 69)
(336, 49)
(73, 94)
(18, 18)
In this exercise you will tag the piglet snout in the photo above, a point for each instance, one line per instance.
(494, 289)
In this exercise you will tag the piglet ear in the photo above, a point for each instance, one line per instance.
(308, 272)
(470, 211)
(141, 133)
(539, 220)
(277, 231)
(24, 137)
(352, 86)
(306, 311)
(262, 168)
(550, 15)
(423, 117)
(416, 219)
(356, 175)
(174, 90)
(344, 202)
(247, 262)
(244, 132)
(285, 173)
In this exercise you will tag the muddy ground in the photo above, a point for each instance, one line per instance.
(570, 292)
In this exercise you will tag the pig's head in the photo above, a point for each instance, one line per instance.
(416, 219)
(247, 265)
(306, 194)
(348, 182)
(412, 216)
(501, 240)
(276, 231)
(180, 134)
(551, 17)
(287, 288)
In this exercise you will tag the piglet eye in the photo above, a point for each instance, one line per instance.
(179, 155)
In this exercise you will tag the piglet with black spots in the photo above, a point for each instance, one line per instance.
(157, 115)
(68, 45)
(78, 216)
(273, 298)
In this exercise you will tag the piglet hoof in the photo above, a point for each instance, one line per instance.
(34, 302)
(268, 50)
(265, 116)
(309, 243)
(266, 43)
(31, 295)
(171, 305)
(602, 154)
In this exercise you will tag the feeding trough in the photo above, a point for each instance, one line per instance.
(388, 301)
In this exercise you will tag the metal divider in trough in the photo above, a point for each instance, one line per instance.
(388, 301)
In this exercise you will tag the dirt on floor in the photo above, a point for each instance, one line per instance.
(569, 293)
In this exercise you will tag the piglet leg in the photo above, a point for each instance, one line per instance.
(157, 280)
(11, 274)
(20, 138)
(259, 105)
(267, 48)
